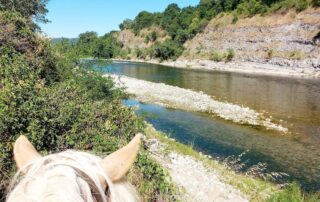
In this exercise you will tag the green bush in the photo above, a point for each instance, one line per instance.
(107, 47)
(153, 36)
(301, 5)
(315, 3)
(60, 104)
(155, 185)
(229, 55)
(293, 193)
(251, 7)
(216, 56)
(167, 50)
(298, 5)
(270, 54)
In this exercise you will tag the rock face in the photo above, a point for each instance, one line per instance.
(289, 39)
(138, 41)
(130, 41)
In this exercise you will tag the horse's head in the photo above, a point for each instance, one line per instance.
(71, 175)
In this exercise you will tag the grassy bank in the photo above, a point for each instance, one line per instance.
(254, 188)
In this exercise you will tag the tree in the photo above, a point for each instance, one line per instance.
(87, 42)
(27, 8)
(170, 20)
(126, 24)
(144, 19)
(167, 50)
(107, 47)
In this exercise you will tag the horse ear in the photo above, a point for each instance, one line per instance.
(117, 164)
(24, 152)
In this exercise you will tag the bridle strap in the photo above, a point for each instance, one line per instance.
(93, 188)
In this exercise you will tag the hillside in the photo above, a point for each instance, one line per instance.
(283, 35)
(290, 39)
(287, 39)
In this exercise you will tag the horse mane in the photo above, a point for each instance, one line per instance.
(81, 173)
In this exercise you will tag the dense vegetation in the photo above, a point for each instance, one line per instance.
(54, 100)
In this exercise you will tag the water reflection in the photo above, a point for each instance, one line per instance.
(295, 101)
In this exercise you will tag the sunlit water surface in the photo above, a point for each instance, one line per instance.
(293, 102)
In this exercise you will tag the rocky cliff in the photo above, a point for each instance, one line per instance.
(140, 40)
(289, 39)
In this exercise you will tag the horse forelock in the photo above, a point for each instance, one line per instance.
(68, 176)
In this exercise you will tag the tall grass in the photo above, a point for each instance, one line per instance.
(293, 193)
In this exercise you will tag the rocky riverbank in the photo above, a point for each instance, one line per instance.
(175, 97)
(200, 177)
(196, 182)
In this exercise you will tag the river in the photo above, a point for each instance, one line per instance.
(294, 102)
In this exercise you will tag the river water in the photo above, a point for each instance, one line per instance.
(293, 102)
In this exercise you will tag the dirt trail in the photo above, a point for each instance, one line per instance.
(198, 183)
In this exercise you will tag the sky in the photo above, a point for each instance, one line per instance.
(69, 18)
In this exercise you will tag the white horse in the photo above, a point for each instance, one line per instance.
(72, 176)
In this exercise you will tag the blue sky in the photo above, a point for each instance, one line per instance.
(69, 18)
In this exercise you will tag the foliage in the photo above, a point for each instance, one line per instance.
(107, 47)
(144, 19)
(167, 50)
(293, 193)
(227, 56)
(315, 3)
(153, 36)
(47, 94)
(126, 24)
(298, 5)
(27, 8)
(155, 186)
(216, 56)
(270, 53)
(251, 8)
(87, 43)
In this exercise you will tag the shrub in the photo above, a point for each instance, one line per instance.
(216, 56)
(235, 18)
(301, 5)
(229, 55)
(269, 54)
(315, 3)
(155, 185)
(251, 7)
(153, 36)
(167, 50)
(146, 39)
(293, 193)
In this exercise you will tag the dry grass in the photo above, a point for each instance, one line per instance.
(256, 189)
(308, 16)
